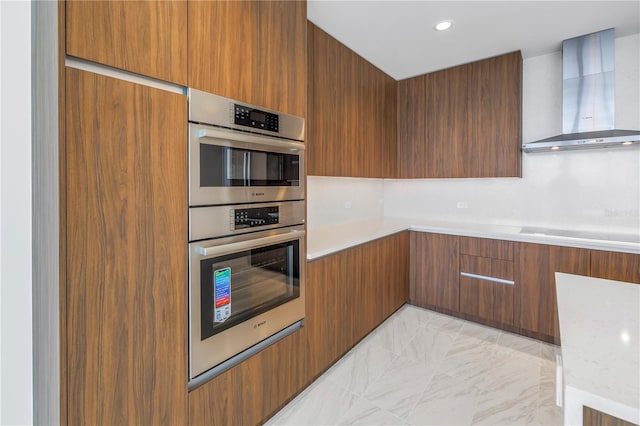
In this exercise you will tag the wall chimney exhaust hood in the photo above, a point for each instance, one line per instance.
(588, 104)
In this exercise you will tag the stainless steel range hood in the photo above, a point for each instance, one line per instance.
(588, 104)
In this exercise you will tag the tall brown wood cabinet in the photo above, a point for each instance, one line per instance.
(126, 300)
(143, 37)
(463, 121)
(352, 112)
(535, 297)
(253, 51)
(434, 271)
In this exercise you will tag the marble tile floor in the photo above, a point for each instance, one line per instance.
(424, 368)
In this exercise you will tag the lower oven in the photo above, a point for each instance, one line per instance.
(243, 289)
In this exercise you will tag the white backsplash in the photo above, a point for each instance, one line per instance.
(595, 190)
(332, 200)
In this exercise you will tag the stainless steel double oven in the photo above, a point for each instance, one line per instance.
(246, 230)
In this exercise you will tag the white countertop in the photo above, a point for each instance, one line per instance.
(600, 334)
(325, 240)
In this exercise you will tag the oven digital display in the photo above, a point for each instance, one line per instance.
(256, 216)
(258, 116)
(251, 117)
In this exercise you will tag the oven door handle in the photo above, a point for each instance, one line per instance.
(239, 137)
(230, 248)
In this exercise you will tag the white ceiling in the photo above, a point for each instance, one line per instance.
(398, 36)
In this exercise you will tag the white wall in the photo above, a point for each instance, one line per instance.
(16, 388)
(582, 190)
(332, 200)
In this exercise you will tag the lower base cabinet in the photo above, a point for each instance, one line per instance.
(535, 297)
(434, 271)
(615, 266)
(351, 293)
(348, 294)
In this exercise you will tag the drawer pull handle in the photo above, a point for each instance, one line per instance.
(485, 278)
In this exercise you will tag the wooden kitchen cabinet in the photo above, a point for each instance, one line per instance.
(252, 51)
(143, 37)
(124, 353)
(252, 391)
(462, 122)
(615, 266)
(351, 292)
(535, 292)
(432, 124)
(487, 280)
(434, 271)
(352, 112)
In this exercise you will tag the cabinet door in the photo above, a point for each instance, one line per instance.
(252, 51)
(494, 117)
(144, 37)
(351, 292)
(615, 266)
(462, 122)
(432, 124)
(434, 271)
(536, 304)
(481, 297)
(352, 112)
(126, 252)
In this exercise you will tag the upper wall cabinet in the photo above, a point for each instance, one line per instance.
(352, 112)
(143, 37)
(463, 122)
(253, 51)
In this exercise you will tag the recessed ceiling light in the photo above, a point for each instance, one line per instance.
(444, 25)
(555, 148)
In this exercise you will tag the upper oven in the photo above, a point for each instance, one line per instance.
(239, 153)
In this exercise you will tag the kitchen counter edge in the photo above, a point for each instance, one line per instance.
(326, 240)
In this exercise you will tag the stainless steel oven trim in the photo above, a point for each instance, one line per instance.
(202, 196)
(208, 132)
(217, 221)
(217, 110)
(204, 355)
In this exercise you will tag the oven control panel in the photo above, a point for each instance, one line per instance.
(255, 216)
(252, 117)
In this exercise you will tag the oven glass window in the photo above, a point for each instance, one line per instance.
(222, 166)
(239, 286)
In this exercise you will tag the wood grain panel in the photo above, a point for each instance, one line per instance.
(352, 112)
(463, 121)
(126, 252)
(484, 299)
(432, 124)
(412, 128)
(535, 297)
(254, 390)
(252, 51)
(495, 117)
(615, 266)
(144, 37)
(485, 247)
(593, 417)
(434, 270)
(222, 39)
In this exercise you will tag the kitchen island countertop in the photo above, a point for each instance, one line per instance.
(600, 332)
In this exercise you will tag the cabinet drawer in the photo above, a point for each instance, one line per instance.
(486, 288)
(485, 247)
